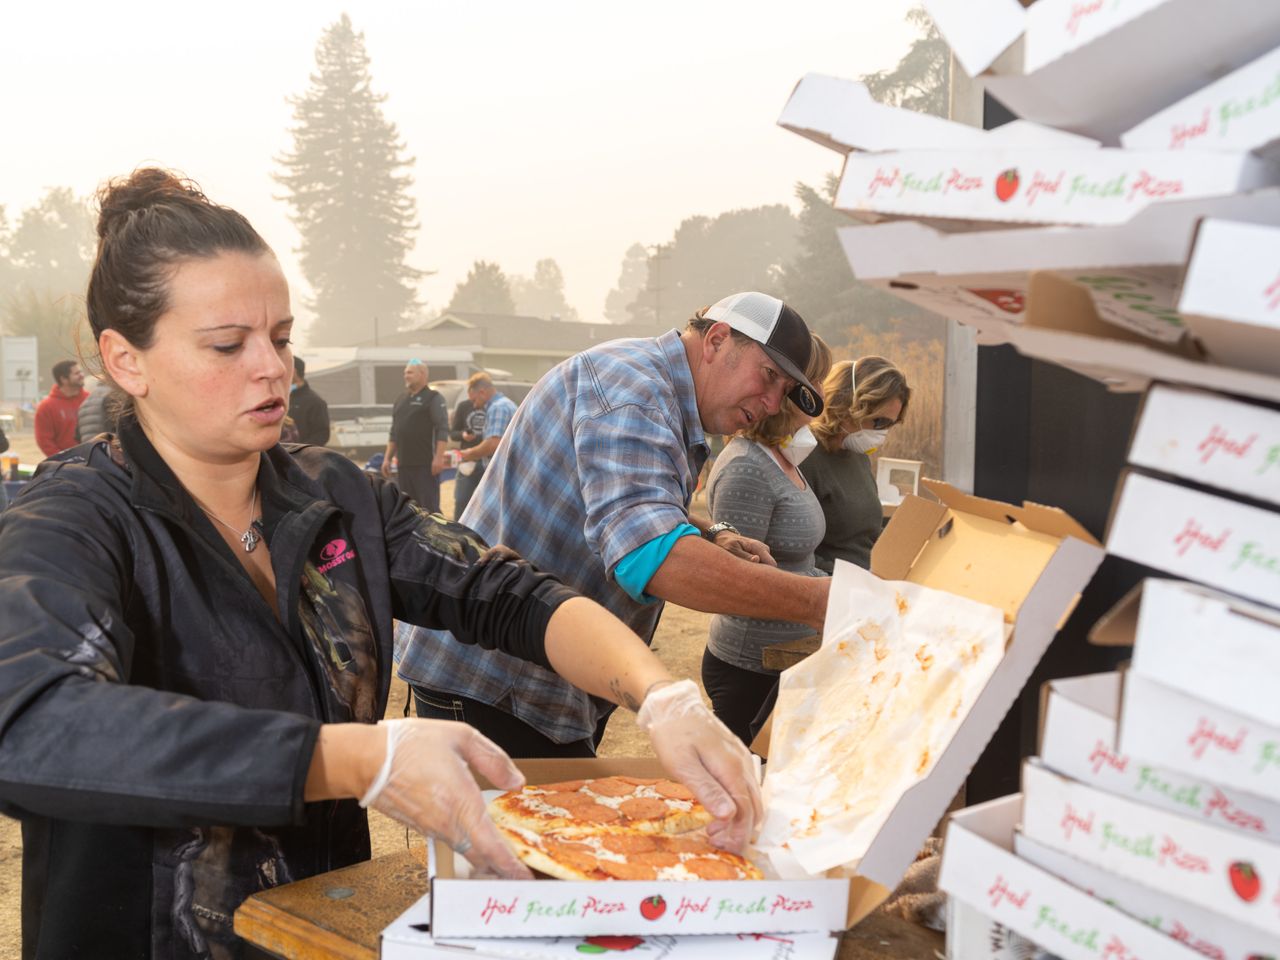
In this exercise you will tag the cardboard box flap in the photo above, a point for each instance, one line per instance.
(978, 31)
(914, 522)
(1056, 303)
(1118, 627)
(1159, 235)
(1034, 516)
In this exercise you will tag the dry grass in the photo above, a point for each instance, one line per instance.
(919, 436)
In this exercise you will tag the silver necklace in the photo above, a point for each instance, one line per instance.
(250, 537)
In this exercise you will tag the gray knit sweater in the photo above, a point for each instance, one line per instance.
(749, 490)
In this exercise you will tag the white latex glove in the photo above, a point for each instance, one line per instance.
(426, 783)
(700, 752)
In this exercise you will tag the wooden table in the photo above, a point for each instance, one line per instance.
(339, 916)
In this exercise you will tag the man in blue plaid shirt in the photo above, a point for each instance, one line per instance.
(592, 481)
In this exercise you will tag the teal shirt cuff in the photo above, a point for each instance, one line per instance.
(636, 569)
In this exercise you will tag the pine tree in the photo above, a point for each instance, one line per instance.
(485, 290)
(921, 80)
(347, 182)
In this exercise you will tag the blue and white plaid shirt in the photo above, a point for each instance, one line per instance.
(497, 417)
(602, 456)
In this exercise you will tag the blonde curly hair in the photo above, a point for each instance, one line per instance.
(878, 382)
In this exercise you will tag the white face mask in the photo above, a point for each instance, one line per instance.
(865, 441)
(799, 445)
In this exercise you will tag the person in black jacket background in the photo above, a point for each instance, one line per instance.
(307, 408)
(195, 625)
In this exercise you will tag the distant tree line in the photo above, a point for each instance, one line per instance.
(346, 181)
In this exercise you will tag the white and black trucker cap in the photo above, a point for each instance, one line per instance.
(782, 334)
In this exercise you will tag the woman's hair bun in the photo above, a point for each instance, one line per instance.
(120, 198)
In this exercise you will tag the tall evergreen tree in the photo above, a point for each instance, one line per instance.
(347, 182)
(921, 79)
(485, 290)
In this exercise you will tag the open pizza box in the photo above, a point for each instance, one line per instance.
(1024, 565)
(465, 907)
(1030, 563)
(1131, 270)
(1239, 112)
(1098, 68)
(841, 115)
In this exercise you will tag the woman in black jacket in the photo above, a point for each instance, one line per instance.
(195, 625)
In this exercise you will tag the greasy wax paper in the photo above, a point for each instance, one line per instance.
(866, 717)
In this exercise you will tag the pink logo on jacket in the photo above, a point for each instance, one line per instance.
(334, 553)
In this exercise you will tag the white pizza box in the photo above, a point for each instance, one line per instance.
(1202, 930)
(972, 935)
(1036, 185)
(1131, 270)
(1061, 325)
(1097, 67)
(409, 937)
(842, 115)
(1209, 644)
(1241, 111)
(1224, 871)
(1230, 297)
(1078, 740)
(1183, 732)
(1032, 562)
(466, 907)
(980, 868)
(1196, 535)
(1211, 439)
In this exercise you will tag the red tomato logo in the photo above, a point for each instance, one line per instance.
(1007, 185)
(651, 908)
(1245, 881)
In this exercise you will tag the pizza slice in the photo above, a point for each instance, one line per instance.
(617, 855)
(639, 804)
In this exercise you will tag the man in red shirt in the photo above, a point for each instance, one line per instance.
(56, 414)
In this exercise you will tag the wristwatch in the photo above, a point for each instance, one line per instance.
(720, 527)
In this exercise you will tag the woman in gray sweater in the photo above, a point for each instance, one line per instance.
(865, 399)
(757, 488)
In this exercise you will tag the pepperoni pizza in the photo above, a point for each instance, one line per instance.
(614, 828)
(618, 855)
(640, 804)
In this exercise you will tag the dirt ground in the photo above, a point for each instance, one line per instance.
(679, 642)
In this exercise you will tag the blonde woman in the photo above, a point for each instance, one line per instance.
(865, 399)
(757, 487)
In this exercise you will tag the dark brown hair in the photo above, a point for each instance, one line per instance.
(148, 224)
(62, 370)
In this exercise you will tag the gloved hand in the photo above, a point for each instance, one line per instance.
(700, 752)
(425, 784)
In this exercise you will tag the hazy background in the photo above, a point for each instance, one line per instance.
(565, 130)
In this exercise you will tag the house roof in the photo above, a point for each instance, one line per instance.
(513, 334)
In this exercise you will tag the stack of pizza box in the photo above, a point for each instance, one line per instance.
(1128, 228)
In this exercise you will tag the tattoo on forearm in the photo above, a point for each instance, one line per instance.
(621, 696)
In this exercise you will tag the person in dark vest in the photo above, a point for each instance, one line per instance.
(307, 408)
(419, 432)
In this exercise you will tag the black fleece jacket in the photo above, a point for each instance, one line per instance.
(157, 719)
